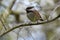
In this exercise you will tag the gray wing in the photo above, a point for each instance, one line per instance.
(31, 16)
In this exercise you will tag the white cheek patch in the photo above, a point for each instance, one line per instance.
(32, 9)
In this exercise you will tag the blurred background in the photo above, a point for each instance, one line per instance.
(13, 12)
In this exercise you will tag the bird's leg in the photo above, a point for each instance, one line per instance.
(30, 23)
(47, 18)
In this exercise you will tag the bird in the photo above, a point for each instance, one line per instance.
(33, 15)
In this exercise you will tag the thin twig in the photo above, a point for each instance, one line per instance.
(22, 25)
(3, 24)
(6, 23)
(12, 4)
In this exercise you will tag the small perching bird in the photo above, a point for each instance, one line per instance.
(33, 15)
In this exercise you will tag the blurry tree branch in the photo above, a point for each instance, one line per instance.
(3, 24)
(23, 25)
(12, 4)
(9, 10)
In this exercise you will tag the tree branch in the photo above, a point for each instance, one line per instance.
(12, 4)
(3, 24)
(22, 25)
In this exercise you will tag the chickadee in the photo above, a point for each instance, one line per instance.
(33, 15)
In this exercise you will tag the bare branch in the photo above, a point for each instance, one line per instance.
(3, 24)
(23, 25)
(12, 4)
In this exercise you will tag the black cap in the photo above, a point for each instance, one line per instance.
(29, 7)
